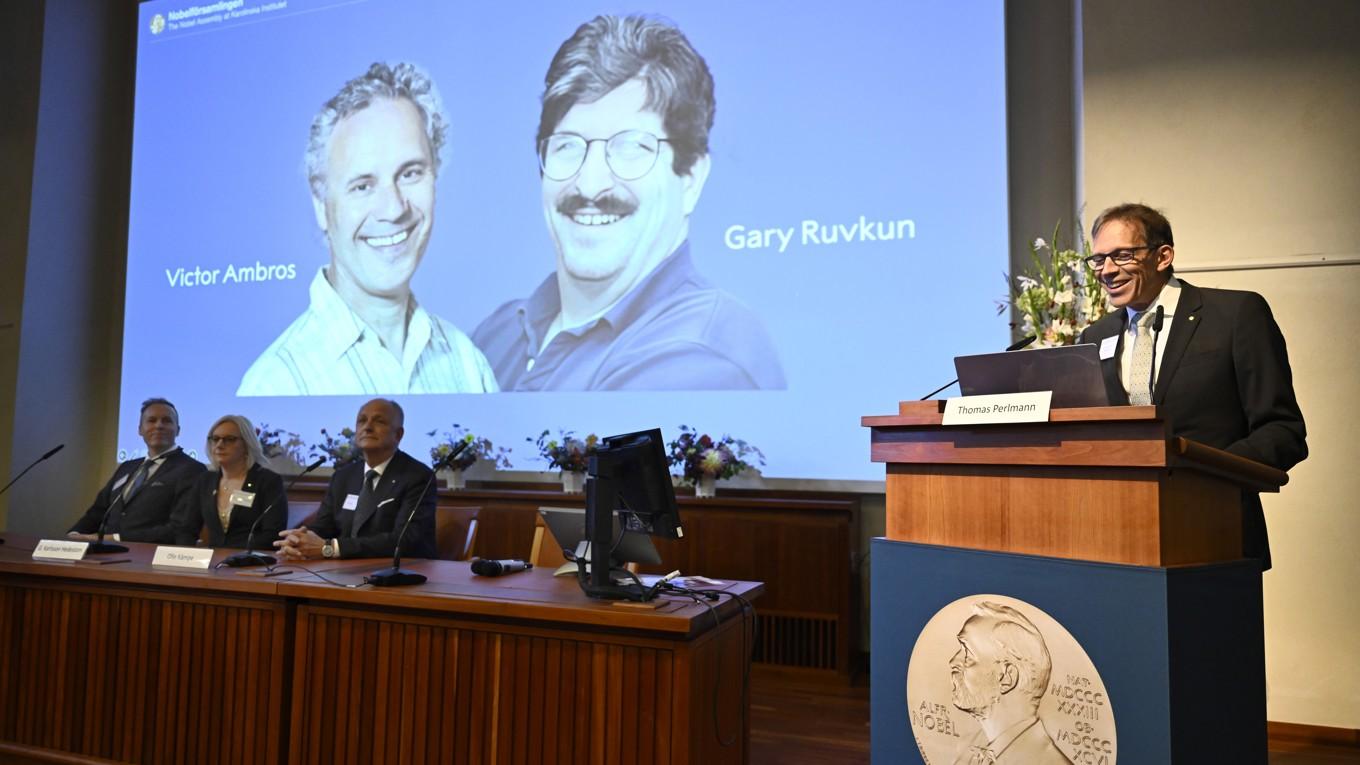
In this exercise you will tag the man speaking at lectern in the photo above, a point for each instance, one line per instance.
(1218, 366)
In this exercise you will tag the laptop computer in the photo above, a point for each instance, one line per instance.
(1072, 372)
(568, 527)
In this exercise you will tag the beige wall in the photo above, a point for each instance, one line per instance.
(1239, 119)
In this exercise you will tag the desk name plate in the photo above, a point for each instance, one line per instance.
(60, 549)
(183, 557)
(997, 408)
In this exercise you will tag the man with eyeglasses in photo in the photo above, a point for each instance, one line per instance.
(623, 155)
(1217, 366)
(140, 497)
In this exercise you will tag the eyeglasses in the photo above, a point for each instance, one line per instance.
(1120, 256)
(224, 440)
(630, 154)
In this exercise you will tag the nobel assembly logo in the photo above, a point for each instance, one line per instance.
(157, 24)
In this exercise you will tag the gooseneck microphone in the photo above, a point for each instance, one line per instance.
(1157, 320)
(394, 576)
(32, 465)
(482, 567)
(250, 557)
(1015, 346)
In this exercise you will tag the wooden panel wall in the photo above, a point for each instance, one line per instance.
(389, 688)
(141, 676)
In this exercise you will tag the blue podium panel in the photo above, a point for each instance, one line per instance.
(994, 657)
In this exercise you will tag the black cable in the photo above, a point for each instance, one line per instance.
(748, 644)
(322, 578)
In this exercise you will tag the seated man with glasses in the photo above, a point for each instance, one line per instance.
(623, 150)
(1217, 365)
(137, 503)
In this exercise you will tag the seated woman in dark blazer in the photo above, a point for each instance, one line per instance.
(234, 491)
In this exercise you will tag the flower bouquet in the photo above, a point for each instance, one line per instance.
(341, 451)
(1060, 296)
(476, 449)
(281, 447)
(569, 454)
(702, 460)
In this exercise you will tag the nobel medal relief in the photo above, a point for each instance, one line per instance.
(996, 681)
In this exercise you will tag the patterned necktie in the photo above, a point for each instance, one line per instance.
(1140, 368)
(138, 479)
(115, 523)
(366, 497)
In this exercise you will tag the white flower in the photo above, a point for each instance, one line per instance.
(1064, 297)
(1026, 283)
(1088, 306)
(1040, 244)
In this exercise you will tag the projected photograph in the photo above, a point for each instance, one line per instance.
(741, 217)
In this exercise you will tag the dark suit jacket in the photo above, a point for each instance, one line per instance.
(1224, 381)
(147, 517)
(198, 510)
(371, 532)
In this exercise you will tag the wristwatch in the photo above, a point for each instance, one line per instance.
(330, 549)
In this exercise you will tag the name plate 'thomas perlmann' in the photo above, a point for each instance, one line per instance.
(995, 681)
(997, 408)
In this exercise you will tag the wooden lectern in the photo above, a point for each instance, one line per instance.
(1128, 537)
(1100, 484)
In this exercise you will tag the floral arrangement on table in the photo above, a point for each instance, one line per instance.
(277, 443)
(1060, 296)
(476, 449)
(700, 456)
(566, 452)
(341, 451)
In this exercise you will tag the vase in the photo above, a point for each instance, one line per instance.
(573, 482)
(454, 479)
(707, 486)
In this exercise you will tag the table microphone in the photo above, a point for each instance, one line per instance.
(394, 576)
(34, 464)
(16, 478)
(250, 557)
(482, 567)
(1015, 346)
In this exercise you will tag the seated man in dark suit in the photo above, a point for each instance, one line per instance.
(142, 493)
(1218, 368)
(367, 503)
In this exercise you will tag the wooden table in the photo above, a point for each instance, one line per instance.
(803, 545)
(133, 663)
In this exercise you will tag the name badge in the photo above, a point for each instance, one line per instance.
(351, 502)
(999, 408)
(243, 498)
(118, 483)
(182, 557)
(60, 549)
(1108, 346)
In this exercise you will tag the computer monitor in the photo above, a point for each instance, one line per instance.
(628, 479)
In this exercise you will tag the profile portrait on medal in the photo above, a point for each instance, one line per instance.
(999, 675)
(623, 156)
(372, 159)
